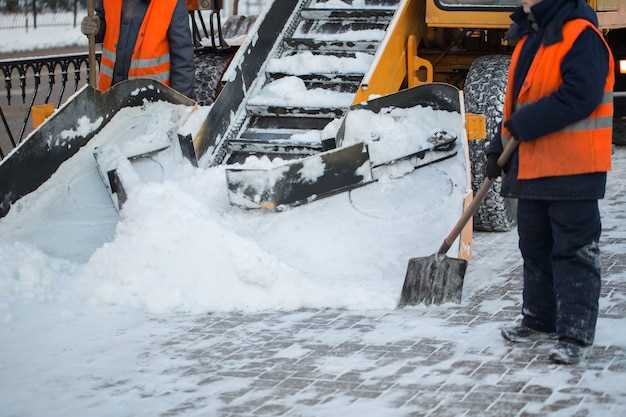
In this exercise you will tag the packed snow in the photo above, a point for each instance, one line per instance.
(102, 326)
(309, 63)
(394, 133)
(292, 92)
(340, 4)
(348, 36)
(255, 162)
(178, 229)
(83, 128)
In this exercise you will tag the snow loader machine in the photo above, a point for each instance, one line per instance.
(305, 67)
(427, 47)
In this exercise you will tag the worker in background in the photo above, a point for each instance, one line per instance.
(559, 107)
(143, 39)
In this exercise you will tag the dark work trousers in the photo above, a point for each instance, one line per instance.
(559, 244)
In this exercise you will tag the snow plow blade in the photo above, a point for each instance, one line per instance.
(300, 181)
(437, 96)
(71, 127)
(345, 167)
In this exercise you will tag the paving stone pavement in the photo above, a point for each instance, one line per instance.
(418, 362)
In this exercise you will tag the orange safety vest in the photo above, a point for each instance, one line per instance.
(151, 55)
(581, 148)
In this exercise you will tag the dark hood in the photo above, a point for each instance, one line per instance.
(550, 16)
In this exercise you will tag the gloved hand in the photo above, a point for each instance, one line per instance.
(90, 25)
(492, 170)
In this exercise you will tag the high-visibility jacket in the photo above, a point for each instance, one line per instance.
(581, 148)
(151, 55)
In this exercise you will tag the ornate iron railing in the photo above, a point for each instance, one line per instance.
(215, 25)
(24, 80)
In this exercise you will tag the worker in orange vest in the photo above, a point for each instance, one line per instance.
(143, 39)
(559, 106)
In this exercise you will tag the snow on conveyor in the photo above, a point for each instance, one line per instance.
(179, 245)
(308, 63)
(292, 91)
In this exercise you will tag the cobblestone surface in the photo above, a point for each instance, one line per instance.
(431, 362)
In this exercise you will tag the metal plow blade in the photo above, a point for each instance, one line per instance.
(434, 279)
(300, 181)
(45, 149)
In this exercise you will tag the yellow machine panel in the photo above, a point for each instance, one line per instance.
(465, 17)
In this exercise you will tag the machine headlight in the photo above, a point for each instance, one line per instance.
(622, 66)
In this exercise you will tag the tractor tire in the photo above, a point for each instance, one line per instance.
(210, 65)
(209, 69)
(484, 91)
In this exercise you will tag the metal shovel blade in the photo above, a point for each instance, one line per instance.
(435, 279)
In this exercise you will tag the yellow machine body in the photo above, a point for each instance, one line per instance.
(437, 40)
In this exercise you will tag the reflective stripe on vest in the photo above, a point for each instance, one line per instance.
(162, 77)
(145, 63)
(107, 63)
(154, 68)
(582, 147)
(590, 123)
(150, 57)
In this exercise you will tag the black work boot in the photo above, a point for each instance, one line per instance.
(524, 334)
(568, 352)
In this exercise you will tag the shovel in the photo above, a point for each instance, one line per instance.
(438, 279)
(92, 48)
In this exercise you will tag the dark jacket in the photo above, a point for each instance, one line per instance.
(179, 37)
(582, 91)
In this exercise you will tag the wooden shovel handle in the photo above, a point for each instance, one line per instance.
(92, 48)
(471, 210)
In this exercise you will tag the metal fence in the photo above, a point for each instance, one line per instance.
(31, 81)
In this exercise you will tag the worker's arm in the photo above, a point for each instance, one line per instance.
(181, 51)
(493, 151)
(584, 72)
(495, 146)
(95, 25)
(100, 13)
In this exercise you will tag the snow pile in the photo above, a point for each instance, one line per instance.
(349, 36)
(195, 257)
(29, 273)
(309, 63)
(254, 162)
(341, 4)
(179, 244)
(292, 92)
(393, 132)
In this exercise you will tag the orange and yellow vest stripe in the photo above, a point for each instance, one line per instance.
(151, 57)
(581, 148)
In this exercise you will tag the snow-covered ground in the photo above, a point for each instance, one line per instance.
(44, 37)
(26, 20)
(56, 30)
(134, 316)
